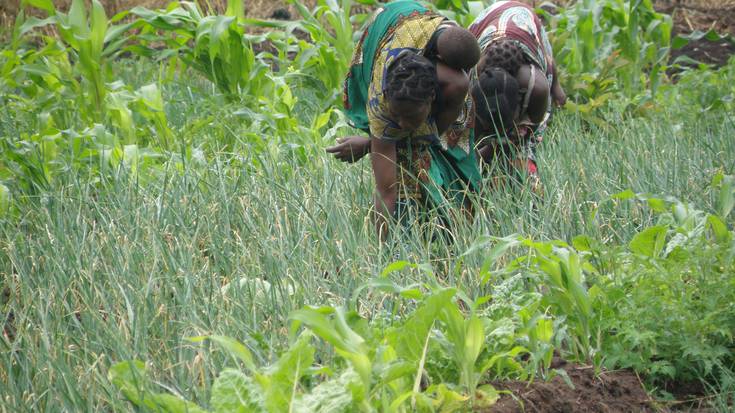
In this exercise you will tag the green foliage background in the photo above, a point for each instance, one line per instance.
(165, 196)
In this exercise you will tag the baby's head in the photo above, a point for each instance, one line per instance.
(496, 98)
(410, 89)
(458, 48)
(505, 54)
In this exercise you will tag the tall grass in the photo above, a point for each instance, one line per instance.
(97, 272)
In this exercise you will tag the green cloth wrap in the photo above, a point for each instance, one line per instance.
(361, 74)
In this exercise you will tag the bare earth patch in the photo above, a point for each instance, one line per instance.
(702, 15)
(610, 391)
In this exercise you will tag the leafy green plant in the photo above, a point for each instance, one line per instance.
(463, 12)
(610, 46)
(214, 46)
(384, 369)
(666, 307)
(85, 36)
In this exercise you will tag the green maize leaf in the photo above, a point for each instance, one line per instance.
(408, 339)
(726, 196)
(235, 8)
(280, 379)
(719, 229)
(320, 324)
(78, 19)
(158, 20)
(233, 346)
(129, 377)
(397, 370)
(98, 30)
(682, 40)
(45, 5)
(389, 286)
(395, 267)
(4, 200)
(34, 23)
(347, 343)
(474, 340)
(218, 37)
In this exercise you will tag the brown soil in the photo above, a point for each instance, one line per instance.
(610, 391)
(702, 15)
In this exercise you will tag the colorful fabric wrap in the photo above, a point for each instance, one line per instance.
(432, 169)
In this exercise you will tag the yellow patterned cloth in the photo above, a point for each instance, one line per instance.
(413, 33)
(412, 149)
(431, 169)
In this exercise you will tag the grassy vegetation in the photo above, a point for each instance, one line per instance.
(244, 220)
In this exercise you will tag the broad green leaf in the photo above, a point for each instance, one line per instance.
(544, 329)
(45, 5)
(219, 36)
(582, 243)
(232, 346)
(397, 370)
(627, 194)
(726, 196)
(318, 322)
(4, 199)
(447, 400)
(130, 378)
(649, 242)
(408, 339)
(280, 379)
(719, 229)
(78, 19)
(347, 343)
(331, 396)
(98, 29)
(395, 267)
(236, 9)
(322, 120)
(657, 205)
(389, 286)
(161, 402)
(34, 23)
(497, 251)
(486, 396)
(474, 340)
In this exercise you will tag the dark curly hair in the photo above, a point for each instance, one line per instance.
(505, 54)
(411, 77)
(496, 97)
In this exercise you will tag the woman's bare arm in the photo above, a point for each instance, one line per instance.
(454, 87)
(385, 170)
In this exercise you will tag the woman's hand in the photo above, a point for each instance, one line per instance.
(558, 96)
(350, 148)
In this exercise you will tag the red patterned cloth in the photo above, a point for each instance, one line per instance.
(513, 20)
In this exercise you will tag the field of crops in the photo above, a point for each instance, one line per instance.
(174, 237)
